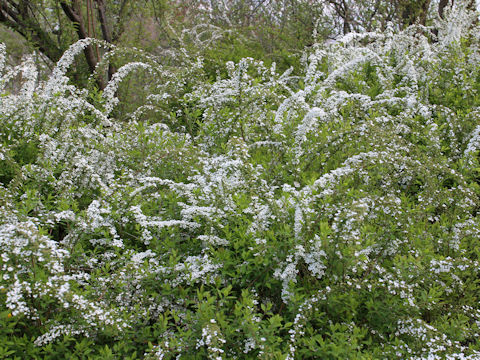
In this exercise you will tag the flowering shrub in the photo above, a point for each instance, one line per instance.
(262, 215)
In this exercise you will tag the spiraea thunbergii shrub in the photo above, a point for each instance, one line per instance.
(264, 215)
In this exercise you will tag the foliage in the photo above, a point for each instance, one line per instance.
(260, 215)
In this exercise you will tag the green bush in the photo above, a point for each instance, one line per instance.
(258, 215)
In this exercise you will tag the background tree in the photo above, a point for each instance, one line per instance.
(51, 26)
(219, 31)
(410, 12)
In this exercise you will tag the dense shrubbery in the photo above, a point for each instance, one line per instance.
(262, 215)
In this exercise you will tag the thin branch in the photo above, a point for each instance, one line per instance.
(16, 17)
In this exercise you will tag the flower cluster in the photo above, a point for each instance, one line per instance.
(329, 211)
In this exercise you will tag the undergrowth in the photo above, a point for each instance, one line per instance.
(330, 215)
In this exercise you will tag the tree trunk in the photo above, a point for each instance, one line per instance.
(106, 32)
(441, 7)
(74, 14)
